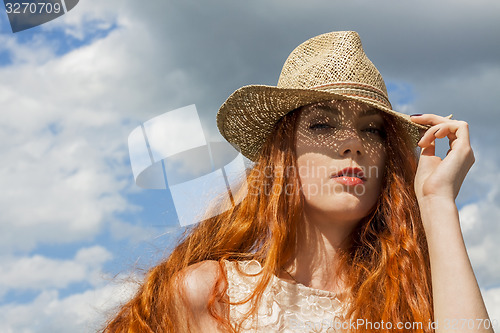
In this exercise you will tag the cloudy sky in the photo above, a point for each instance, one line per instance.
(74, 227)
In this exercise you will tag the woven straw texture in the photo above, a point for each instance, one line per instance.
(325, 67)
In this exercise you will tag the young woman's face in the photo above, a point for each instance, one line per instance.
(340, 148)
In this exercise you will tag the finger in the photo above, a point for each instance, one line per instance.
(429, 136)
(429, 119)
(462, 131)
(429, 150)
(452, 129)
(456, 131)
(446, 130)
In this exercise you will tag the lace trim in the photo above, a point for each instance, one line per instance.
(285, 306)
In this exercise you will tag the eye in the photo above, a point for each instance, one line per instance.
(319, 126)
(375, 130)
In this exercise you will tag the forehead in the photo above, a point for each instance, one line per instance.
(340, 108)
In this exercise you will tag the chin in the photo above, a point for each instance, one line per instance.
(342, 209)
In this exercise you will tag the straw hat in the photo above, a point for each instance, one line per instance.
(325, 67)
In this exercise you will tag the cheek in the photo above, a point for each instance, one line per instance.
(306, 166)
(313, 173)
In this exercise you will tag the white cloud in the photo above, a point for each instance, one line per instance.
(479, 217)
(81, 312)
(87, 18)
(63, 138)
(23, 53)
(40, 273)
(492, 299)
(84, 311)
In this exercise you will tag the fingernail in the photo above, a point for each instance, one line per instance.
(415, 114)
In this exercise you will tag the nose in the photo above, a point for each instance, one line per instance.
(351, 145)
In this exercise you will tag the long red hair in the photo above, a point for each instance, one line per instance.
(386, 269)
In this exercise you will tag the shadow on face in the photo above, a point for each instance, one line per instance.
(341, 129)
(333, 137)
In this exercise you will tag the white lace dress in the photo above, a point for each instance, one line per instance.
(285, 306)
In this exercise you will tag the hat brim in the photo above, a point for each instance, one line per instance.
(248, 116)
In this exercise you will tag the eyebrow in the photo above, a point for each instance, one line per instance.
(370, 112)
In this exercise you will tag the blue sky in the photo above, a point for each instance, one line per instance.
(73, 224)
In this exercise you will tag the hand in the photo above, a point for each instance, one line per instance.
(438, 177)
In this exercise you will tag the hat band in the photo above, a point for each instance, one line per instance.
(356, 90)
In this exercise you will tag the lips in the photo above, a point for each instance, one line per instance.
(350, 176)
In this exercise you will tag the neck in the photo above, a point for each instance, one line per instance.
(316, 256)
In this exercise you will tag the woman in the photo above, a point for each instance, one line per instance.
(339, 230)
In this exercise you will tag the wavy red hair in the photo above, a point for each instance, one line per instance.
(386, 269)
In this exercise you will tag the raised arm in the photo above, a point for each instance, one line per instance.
(458, 304)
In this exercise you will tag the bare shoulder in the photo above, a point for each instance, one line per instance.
(198, 282)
